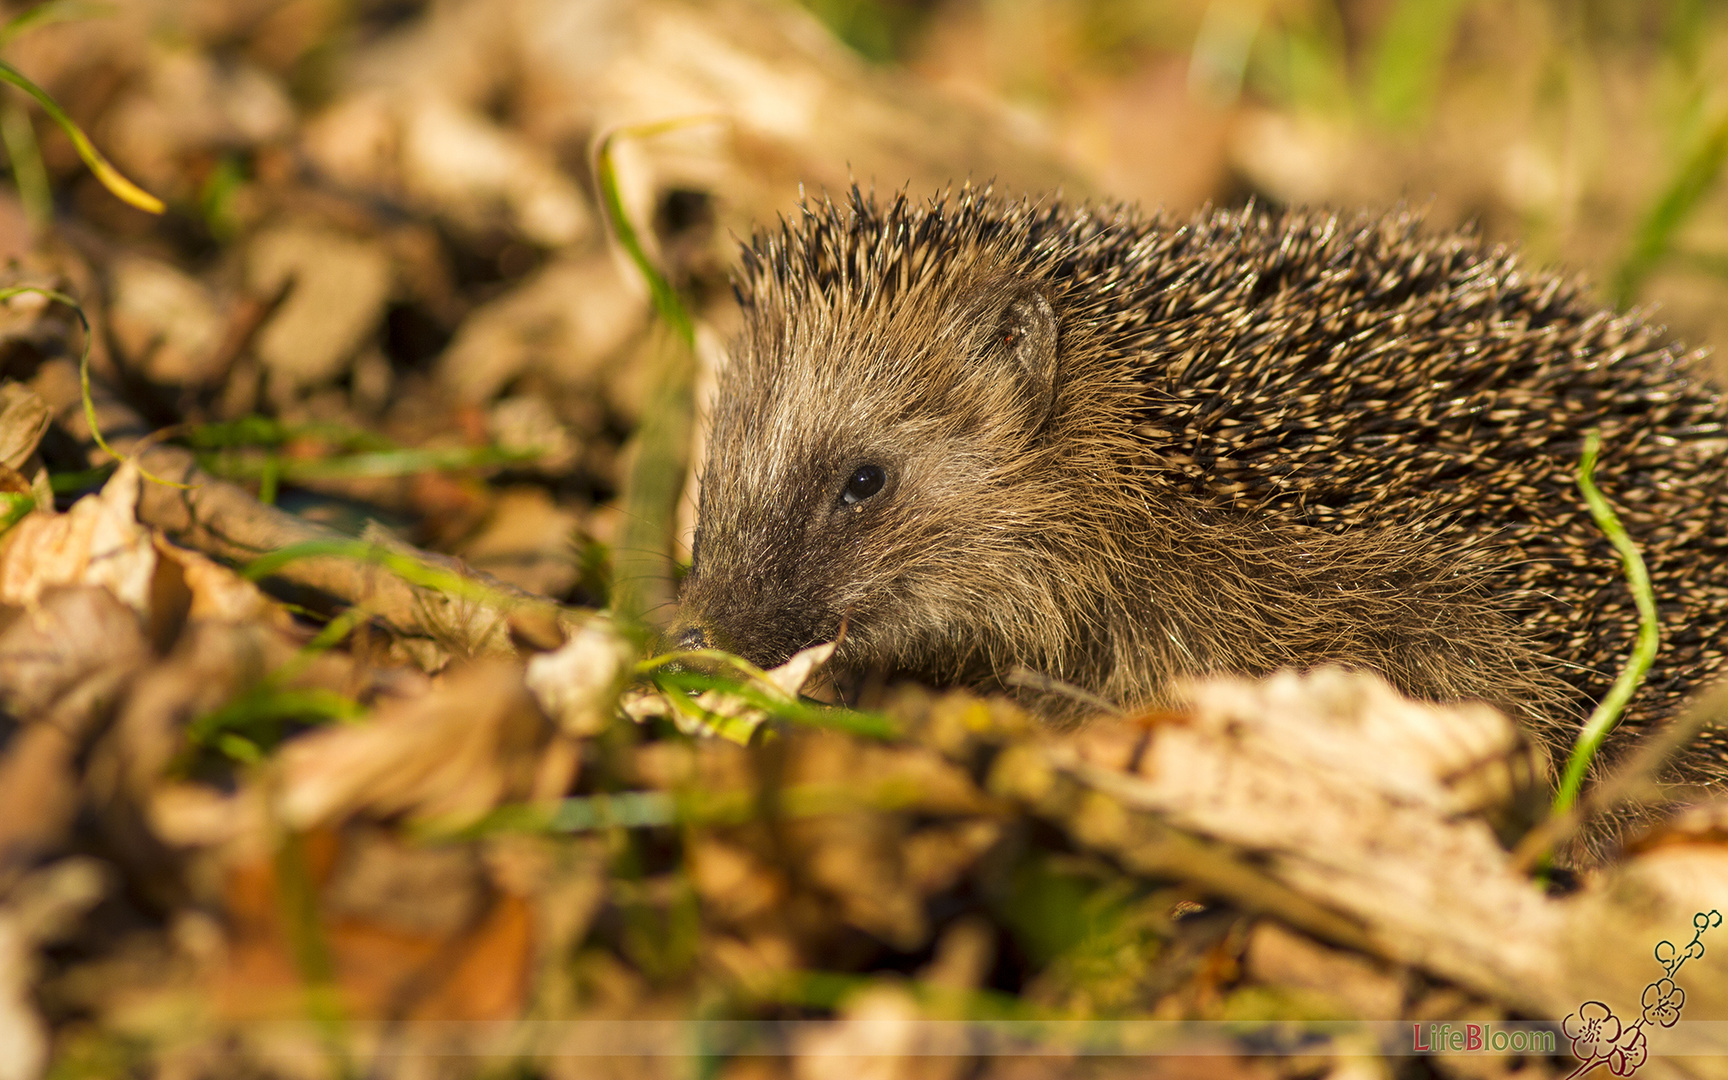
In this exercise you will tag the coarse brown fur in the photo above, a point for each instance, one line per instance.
(1122, 450)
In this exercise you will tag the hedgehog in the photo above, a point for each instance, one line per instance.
(1073, 452)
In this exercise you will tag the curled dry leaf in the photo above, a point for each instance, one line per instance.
(97, 542)
(23, 418)
(217, 593)
(63, 662)
(578, 684)
(60, 643)
(447, 756)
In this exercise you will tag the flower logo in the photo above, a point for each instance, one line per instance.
(1599, 1038)
(1662, 1002)
(1592, 1028)
(1625, 1056)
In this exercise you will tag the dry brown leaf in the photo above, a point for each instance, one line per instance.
(393, 953)
(217, 593)
(23, 418)
(164, 320)
(880, 1036)
(526, 542)
(564, 322)
(97, 542)
(733, 883)
(63, 662)
(1342, 815)
(1362, 989)
(39, 911)
(186, 102)
(339, 286)
(64, 640)
(470, 170)
(23, 1034)
(448, 756)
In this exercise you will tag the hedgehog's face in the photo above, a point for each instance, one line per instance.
(861, 474)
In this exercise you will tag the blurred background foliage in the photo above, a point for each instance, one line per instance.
(1593, 132)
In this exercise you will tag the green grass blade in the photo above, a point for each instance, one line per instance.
(51, 12)
(666, 301)
(14, 508)
(406, 567)
(1608, 713)
(84, 376)
(370, 465)
(1695, 178)
(28, 172)
(1409, 58)
(643, 562)
(111, 178)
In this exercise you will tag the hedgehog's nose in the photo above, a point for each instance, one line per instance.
(693, 638)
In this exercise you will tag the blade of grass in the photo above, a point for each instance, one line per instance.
(366, 465)
(28, 173)
(1409, 58)
(111, 178)
(409, 569)
(84, 375)
(1692, 181)
(1608, 713)
(51, 12)
(868, 725)
(73, 483)
(650, 499)
(297, 896)
(14, 508)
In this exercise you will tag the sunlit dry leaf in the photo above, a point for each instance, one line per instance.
(879, 1037)
(791, 677)
(526, 542)
(469, 168)
(62, 641)
(734, 718)
(450, 755)
(1279, 956)
(733, 882)
(23, 1034)
(218, 593)
(578, 684)
(97, 542)
(564, 322)
(164, 320)
(339, 287)
(191, 815)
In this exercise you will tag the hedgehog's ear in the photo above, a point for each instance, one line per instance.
(1026, 336)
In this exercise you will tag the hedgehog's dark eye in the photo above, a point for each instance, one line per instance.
(867, 481)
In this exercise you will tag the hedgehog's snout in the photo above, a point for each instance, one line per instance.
(693, 637)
